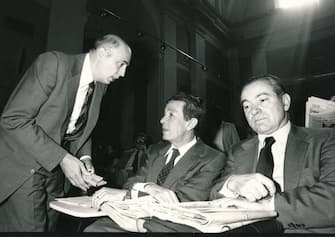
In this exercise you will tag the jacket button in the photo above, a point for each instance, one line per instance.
(32, 171)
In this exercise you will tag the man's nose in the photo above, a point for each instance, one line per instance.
(162, 120)
(255, 110)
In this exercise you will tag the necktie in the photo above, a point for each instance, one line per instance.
(82, 118)
(167, 168)
(136, 162)
(265, 161)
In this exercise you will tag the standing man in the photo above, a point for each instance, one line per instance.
(181, 169)
(286, 168)
(45, 131)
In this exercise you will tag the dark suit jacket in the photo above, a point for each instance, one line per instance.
(308, 201)
(191, 178)
(36, 116)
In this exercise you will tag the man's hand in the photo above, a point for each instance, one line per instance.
(107, 194)
(264, 204)
(88, 164)
(74, 170)
(251, 186)
(161, 194)
(94, 180)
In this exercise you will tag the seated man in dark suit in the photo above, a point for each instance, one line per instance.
(293, 173)
(182, 168)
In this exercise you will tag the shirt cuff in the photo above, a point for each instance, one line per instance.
(85, 157)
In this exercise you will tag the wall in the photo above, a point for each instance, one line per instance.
(23, 36)
(296, 45)
(66, 27)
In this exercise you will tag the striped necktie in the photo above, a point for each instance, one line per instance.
(83, 116)
(167, 168)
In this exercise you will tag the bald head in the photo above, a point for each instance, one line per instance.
(110, 58)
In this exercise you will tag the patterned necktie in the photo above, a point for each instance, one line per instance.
(167, 168)
(82, 118)
(265, 162)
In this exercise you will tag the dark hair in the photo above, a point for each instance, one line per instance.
(193, 107)
(273, 81)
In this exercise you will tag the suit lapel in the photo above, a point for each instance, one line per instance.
(73, 81)
(159, 163)
(93, 112)
(246, 157)
(190, 159)
(295, 154)
(72, 85)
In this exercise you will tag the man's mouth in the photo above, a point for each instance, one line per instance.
(259, 120)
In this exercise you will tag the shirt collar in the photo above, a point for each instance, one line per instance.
(183, 149)
(279, 135)
(86, 74)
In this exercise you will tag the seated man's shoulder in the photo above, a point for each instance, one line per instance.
(245, 143)
(318, 133)
(157, 147)
(209, 153)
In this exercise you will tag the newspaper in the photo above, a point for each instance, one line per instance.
(76, 206)
(206, 216)
(319, 113)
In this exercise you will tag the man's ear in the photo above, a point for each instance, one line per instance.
(100, 52)
(192, 123)
(104, 52)
(286, 99)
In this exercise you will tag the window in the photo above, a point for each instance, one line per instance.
(288, 4)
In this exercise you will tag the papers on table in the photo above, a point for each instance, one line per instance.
(76, 206)
(206, 216)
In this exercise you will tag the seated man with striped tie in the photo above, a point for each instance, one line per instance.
(287, 168)
(182, 168)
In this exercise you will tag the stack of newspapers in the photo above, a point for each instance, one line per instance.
(319, 113)
(207, 216)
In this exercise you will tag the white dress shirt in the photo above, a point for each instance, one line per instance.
(182, 150)
(278, 153)
(85, 79)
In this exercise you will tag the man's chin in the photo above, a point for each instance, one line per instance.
(164, 137)
(263, 131)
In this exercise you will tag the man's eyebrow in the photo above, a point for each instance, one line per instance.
(124, 61)
(260, 94)
(242, 101)
(171, 110)
(263, 93)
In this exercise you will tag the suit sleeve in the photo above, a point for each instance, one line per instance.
(19, 116)
(86, 149)
(311, 204)
(228, 169)
(196, 185)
